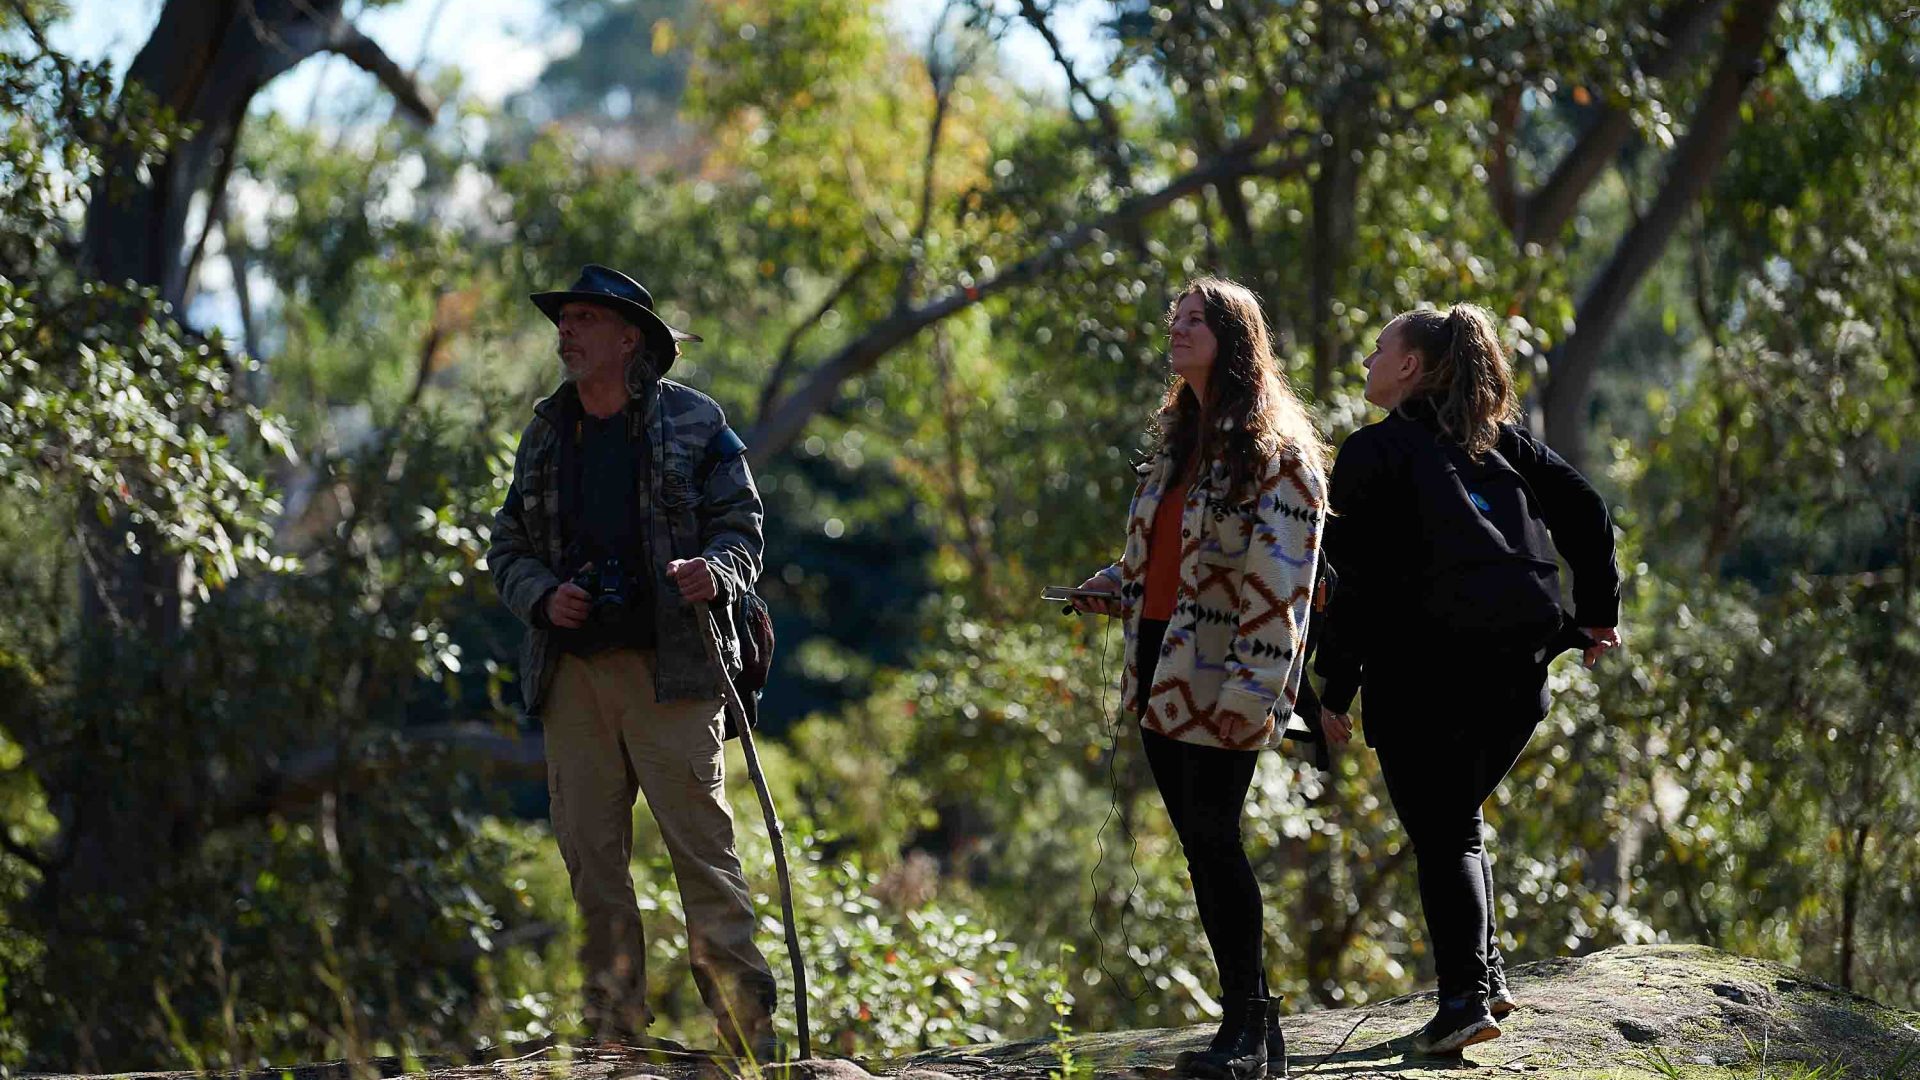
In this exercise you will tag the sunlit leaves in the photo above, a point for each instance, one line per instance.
(103, 395)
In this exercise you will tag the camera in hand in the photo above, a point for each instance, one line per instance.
(606, 584)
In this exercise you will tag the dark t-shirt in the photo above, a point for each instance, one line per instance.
(607, 477)
(605, 528)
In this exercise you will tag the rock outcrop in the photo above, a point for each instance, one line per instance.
(1628, 1012)
(1654, 1011)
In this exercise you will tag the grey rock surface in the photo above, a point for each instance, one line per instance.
(1623, 1014)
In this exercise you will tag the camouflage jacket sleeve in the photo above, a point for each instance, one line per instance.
(519, 573)
(730, 515)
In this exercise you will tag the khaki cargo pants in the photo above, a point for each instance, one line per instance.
(606, 740)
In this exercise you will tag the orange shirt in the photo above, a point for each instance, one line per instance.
(1163, 555)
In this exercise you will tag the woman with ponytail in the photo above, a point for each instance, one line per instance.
(1214, 588)
(1445, 518)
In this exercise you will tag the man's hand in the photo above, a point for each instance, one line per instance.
(1337, 726)
(695, 579)
(1603, 638)
(1088, 604)
(568, 606)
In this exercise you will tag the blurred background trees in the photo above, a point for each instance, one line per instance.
(261, 366)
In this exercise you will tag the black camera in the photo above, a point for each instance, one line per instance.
(606, 584)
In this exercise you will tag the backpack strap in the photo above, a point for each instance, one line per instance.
(1500, 461)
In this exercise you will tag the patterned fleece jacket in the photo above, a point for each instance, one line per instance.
(1235, 648)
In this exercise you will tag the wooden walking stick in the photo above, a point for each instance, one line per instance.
(732, 696)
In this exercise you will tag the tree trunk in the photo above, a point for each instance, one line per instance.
(1693, 165)
(204, 62)
(1541, 217)
(1335, 192)
(1850, 899)
(973, 538)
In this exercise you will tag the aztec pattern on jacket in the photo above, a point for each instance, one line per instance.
(1235, 647)
(697, 499)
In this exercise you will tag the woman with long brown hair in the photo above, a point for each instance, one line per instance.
(1214, 586)
(1445, 519)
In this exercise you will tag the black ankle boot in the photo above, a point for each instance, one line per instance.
(1276, 1042)
(1223, 1037)
(1242, 1042)
(1500, 1000)
(1460, 1023)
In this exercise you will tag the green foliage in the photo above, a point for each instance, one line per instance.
(138, 424)
(306, 848)
(63, 126)
(886, 981)
(104, 397)
(978, 850)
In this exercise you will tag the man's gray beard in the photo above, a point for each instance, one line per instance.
(639, 363)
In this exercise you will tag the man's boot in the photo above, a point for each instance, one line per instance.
(1242, 1042)
(750, 1037)
(615, 1018)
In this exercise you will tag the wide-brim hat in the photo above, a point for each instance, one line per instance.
(610, 288)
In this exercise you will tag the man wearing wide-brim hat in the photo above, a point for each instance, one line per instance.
(631, 505)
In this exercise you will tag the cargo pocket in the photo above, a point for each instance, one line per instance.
(708, 770)
(562, 828)
(707, 802)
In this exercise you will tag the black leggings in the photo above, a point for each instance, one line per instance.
(1204, 788)
(1438, 781)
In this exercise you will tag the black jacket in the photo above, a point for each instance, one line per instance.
(1375, 539)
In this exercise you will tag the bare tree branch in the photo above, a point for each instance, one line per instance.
(1114, 144)
(304, 778)
(944, 71)
(235, 247)
(216, 208)
(776, 379)
(423, 366)
(427, 33)
(973, 537)
(1335, 194)
(1363, 905)
(909, 275)
(776, 428)
(1506, 189)
(367, 55)
(1233, 205)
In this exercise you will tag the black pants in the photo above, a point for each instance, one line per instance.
(1204, 788)
(1439, 775)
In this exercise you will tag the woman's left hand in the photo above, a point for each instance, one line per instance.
(1338, 727)
(1604, 638)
